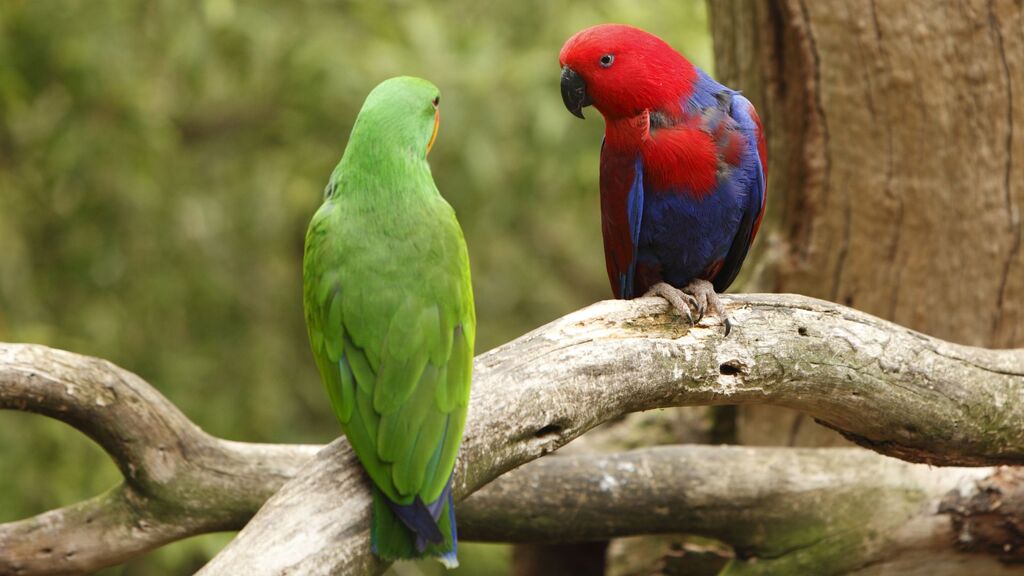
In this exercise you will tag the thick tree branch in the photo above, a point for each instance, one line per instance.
(894, 390)
(784, 511)
(179, 481)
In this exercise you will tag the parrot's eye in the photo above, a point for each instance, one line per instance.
(436, 101)
(607, 60)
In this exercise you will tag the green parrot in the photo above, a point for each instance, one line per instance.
(389, 308)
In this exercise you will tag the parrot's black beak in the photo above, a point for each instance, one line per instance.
(574, 92)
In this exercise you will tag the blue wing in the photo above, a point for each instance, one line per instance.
(751, 176)
(635, 215)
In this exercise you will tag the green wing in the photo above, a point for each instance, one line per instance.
(392, 330)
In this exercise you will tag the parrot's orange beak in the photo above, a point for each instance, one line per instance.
(437, 124)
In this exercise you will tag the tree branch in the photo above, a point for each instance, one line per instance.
(178, 480)
(783, 510)
(928, 401)
(886, 387)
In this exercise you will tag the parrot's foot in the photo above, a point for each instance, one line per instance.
(696, 297)
(703, 292)
(684, 303)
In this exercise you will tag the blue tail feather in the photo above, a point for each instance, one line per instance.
(419, 519)
(450, 558)
(435, 508)
(415, 530)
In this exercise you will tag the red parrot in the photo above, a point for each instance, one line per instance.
(684, 167)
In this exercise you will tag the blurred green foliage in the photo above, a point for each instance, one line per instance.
(159, 162)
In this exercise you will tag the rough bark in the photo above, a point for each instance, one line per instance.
(537, 393)
(684, 425)
(928, 401)
(891, 122)
(804, 511)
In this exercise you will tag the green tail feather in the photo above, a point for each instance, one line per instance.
(391, 539)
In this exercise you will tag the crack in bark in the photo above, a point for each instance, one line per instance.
(1012, 212)
(826, 185)
(890, 174)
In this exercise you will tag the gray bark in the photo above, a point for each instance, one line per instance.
(178, 480)
(894, 390)
(783, 511)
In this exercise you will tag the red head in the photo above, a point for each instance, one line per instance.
(623, 71)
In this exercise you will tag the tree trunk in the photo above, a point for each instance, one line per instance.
(893, 186)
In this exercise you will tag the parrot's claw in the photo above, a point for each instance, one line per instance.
(684, 303)
(698, 296)
(703, 293)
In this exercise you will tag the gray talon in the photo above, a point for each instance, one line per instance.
(701, 310)
(705, 294)
(698, 296)
(681, 301)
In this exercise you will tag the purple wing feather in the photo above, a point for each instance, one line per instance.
(752, 175)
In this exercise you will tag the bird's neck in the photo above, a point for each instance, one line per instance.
(637, 132)
(676, 151)
(627, 133)
(382, 174)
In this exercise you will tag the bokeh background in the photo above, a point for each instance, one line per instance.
(159, 162)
